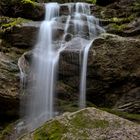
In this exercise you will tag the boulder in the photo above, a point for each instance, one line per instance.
(89, 123)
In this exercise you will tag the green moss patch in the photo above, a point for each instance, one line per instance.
(91, 1)
(51, 131)
(30, 2)
(83, 121)
(119, 27)
(8, 24)
(122, 20)
(136, 6)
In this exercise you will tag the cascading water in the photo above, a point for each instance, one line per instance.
(40, 105)
(45, 58)
(83, 16)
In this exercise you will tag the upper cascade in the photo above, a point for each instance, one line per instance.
(51, 11)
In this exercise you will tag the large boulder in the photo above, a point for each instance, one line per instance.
(89, 123)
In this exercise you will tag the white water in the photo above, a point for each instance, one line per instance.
(83, 12)
(82, 103)
(40, 105)
(45, 60)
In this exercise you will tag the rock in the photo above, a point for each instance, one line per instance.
(104, 3)
(18, 36)
(89, 123)
(126, 30)
(130, 102)
(16, 30)
(22, 8)
(120, 17)
(113, 69)
(9, 81)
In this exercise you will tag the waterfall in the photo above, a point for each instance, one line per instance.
(45, 59)
(41, 89)
(83, 12)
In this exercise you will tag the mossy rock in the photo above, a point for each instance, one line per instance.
(7, 24)
(89, 123)
(22, 8)
(132, 117)
(6, 132)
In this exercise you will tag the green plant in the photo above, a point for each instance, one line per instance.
(91, 1)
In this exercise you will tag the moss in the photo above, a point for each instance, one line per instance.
(55, 130)
(51, 131)
(7, 24)
(83, 121)
(118, 27)
(91, 1)
(30, 2)
(129, 116)
(67, 106)
(13, 22)
(7, 131)
(136, 6)
(122, 20)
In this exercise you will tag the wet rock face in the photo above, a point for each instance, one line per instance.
(115, 66)
(130, 102)
(112, 75)
(9, 80)
(113, 70)
(24, 35)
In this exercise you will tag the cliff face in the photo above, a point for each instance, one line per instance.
(113, 76)
(113, 72)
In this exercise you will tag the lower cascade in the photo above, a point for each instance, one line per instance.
(77, 23)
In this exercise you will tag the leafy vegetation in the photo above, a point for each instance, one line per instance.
(91, 1)
(28, 2)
